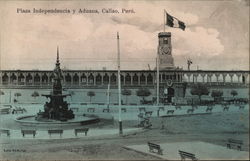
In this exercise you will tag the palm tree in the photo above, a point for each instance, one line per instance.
(126, 92)
(90, 94)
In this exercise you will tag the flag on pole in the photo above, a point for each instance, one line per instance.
(174, 22)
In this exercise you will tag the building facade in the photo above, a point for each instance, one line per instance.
(172, 79)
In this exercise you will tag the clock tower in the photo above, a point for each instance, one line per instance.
(166, 60)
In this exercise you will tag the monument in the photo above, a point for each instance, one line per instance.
(166, 60)
(57, 108)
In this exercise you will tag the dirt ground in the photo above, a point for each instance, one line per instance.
(213, 128)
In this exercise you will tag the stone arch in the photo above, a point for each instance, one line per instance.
(150, 79)
(68, 78)
(75, 79)
(127, 79)
(37, 79)
(45, 78)
(91, 79)
(106, 79)
(98, 79)
(5, 79)
(21, 79)
(113, 79)
(13, 79)
(28, 79)
(83, 79)
(51, 77)
(135, 79)
(142, 79)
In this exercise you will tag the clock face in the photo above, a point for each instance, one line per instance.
(165, 50)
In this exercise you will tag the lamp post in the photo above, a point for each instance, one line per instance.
(119, 83)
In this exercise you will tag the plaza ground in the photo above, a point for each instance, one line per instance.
(201, 128)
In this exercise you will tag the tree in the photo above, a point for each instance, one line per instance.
(199, 90)
(90, 94)
(1, 93)
(234, 93)
(143, 93)
(35, 94)
(126, 92)
(216, 94)
(17, 95)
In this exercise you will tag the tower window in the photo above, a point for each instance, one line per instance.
(165, 41)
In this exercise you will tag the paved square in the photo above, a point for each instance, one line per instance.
(202, 151)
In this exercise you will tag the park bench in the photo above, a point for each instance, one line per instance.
(91, 110)
(241, 107)
(133, 103)
(209, 109)
(185, 155)
(170, 111)
(106, 110)
(124, 109)
(225, 108)
(83, 130)
(148, 113)
(142, 109)
(5, 131)
(237, 143)
(28, 132)
(19, 109)
(5, 111)
(153, 147)
(178, 107)
(83, 103)
(190, 110)
(50, 132)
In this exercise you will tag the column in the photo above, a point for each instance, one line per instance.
(139, 78)
(188, 74)
(40, 75)
(94, 74)
(203, 77)
(131, 78)
(87, 79)
(71, 78)
(33, 78)
(195, 77)
(102, 78)
(17, 77)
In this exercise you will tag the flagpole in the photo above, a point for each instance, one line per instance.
(157, 78)
(164, 21)
(108, 95)
(119, 84)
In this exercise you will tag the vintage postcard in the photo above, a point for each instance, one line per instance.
(124, 80)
